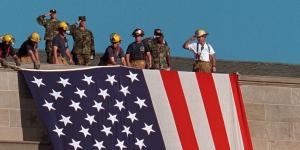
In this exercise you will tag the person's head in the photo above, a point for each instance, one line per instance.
(138, 34)
(82, 21)
(8, 39)
(160, 38)
(34, 38)
(157, 31)
(115, 40)
(53, 14)
(201, 36)
(62, 27)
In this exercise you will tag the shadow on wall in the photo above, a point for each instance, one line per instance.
(33, 128)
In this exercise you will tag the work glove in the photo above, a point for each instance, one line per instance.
(36, 65)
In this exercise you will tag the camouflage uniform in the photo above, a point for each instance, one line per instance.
(51, 27)
(83, 45)
(160, 52)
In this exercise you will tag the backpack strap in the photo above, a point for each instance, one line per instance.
(197, 56)
(208, 46)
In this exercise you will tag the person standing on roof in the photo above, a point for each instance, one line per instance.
(51, 26)
(160, 53)
(205, 60)
(113, 52)
(137, 53)
(83, 48)
(28, 52)
(60, 46)
(6, 50)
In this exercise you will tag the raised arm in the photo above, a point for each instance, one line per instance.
(41, 19)
(187, 42)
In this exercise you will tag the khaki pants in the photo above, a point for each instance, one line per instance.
(61, 60)
(202, 66)
(140, 64)
(26, 60)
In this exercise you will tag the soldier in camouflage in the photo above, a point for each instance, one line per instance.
(160, 53)
(150, 40)
(51, 26)
(83, 49)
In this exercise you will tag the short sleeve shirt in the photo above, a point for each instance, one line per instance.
(137, 51)
(6, 50)
(25, 47)
(111, 52)
(61, 44)
(201, 53)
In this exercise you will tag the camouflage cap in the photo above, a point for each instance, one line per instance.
(157, 31)
(82, 18)
(53, 11)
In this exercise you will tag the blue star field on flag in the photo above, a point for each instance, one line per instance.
(96, 108)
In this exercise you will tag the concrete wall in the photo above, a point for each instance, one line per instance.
(272, 107)
(273, 111)
(20, 126)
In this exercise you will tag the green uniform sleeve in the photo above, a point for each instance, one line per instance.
(92, 44)
(41, 20)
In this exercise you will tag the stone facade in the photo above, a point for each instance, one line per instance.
(272, 109)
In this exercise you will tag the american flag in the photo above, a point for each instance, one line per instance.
(124, 108)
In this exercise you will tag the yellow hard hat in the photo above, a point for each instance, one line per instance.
(63, 25)
(35, 37)
(115, 38)
(200, 32)
(8, 38)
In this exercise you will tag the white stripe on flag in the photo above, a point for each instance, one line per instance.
(197, 110)
(162, 109)
(226, 100)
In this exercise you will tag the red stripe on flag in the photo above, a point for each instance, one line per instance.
(213, 110)
(239, 105)
(180, 111)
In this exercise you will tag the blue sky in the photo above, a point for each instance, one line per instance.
(253, 30)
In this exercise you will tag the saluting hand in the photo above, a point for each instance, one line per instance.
(47, 14)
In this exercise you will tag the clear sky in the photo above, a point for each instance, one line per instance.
(247, 30)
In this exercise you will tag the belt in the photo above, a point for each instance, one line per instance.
(201, 61)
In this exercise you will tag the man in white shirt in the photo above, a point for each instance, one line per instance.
(205, 60)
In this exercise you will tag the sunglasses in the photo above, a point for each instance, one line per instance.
(198, 37)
